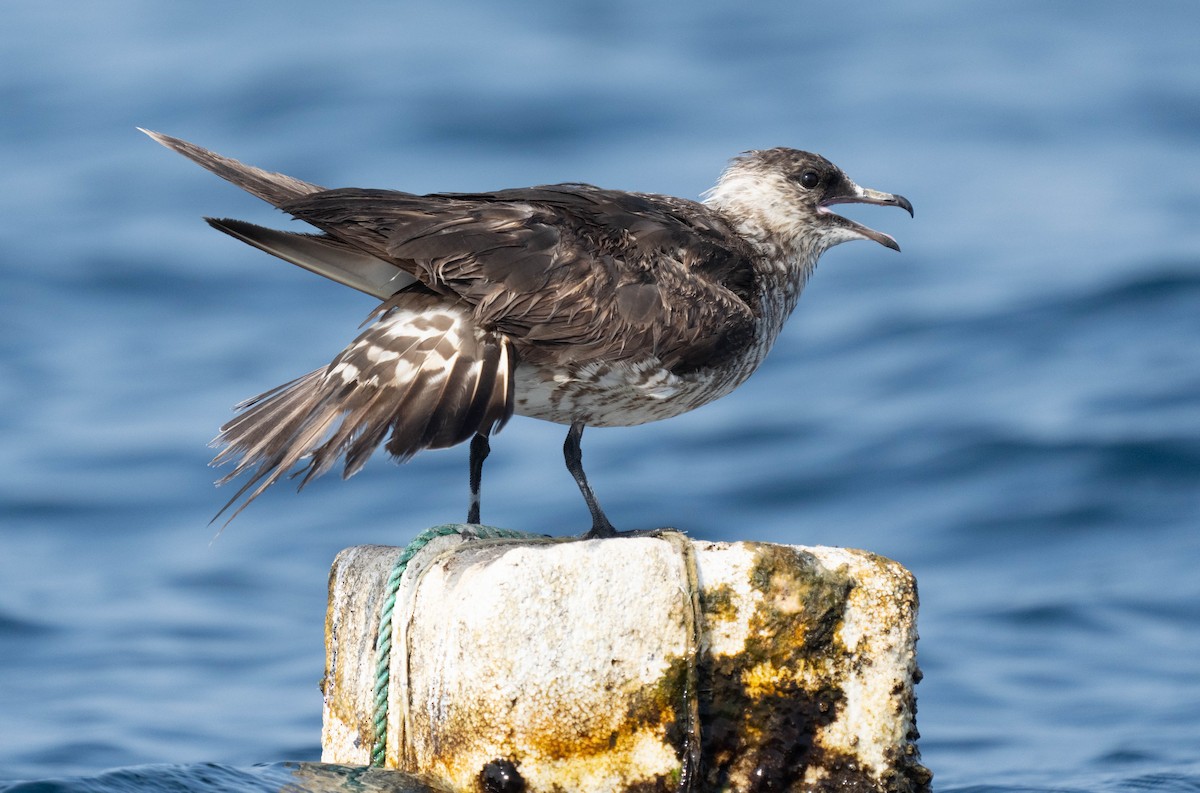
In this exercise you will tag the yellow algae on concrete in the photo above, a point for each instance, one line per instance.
(809, 655)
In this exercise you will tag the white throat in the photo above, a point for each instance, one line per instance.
(761, 208)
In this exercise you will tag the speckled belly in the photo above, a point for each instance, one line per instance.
(618, 394)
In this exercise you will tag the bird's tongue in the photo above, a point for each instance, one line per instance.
(886, 240)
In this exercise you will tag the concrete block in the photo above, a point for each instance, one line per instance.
(639, 663)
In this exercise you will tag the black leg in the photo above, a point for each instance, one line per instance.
(480, 448)
(574, 457)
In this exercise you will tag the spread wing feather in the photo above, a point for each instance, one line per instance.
(422, 372)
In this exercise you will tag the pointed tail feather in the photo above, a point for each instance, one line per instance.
(322, 255)
(274, 188)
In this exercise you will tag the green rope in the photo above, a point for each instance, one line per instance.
(383, 641)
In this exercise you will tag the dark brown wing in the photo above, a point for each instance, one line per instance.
(572, 272)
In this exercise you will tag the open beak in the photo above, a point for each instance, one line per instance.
(850, 193)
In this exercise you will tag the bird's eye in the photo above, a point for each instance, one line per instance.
(809, 180)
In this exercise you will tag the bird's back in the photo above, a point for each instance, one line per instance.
(573, 273)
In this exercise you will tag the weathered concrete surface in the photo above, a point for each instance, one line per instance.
(652, 663)
(356, 591)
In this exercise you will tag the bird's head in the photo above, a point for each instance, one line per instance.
(783, 197)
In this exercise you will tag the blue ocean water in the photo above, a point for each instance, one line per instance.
(1010, 407)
